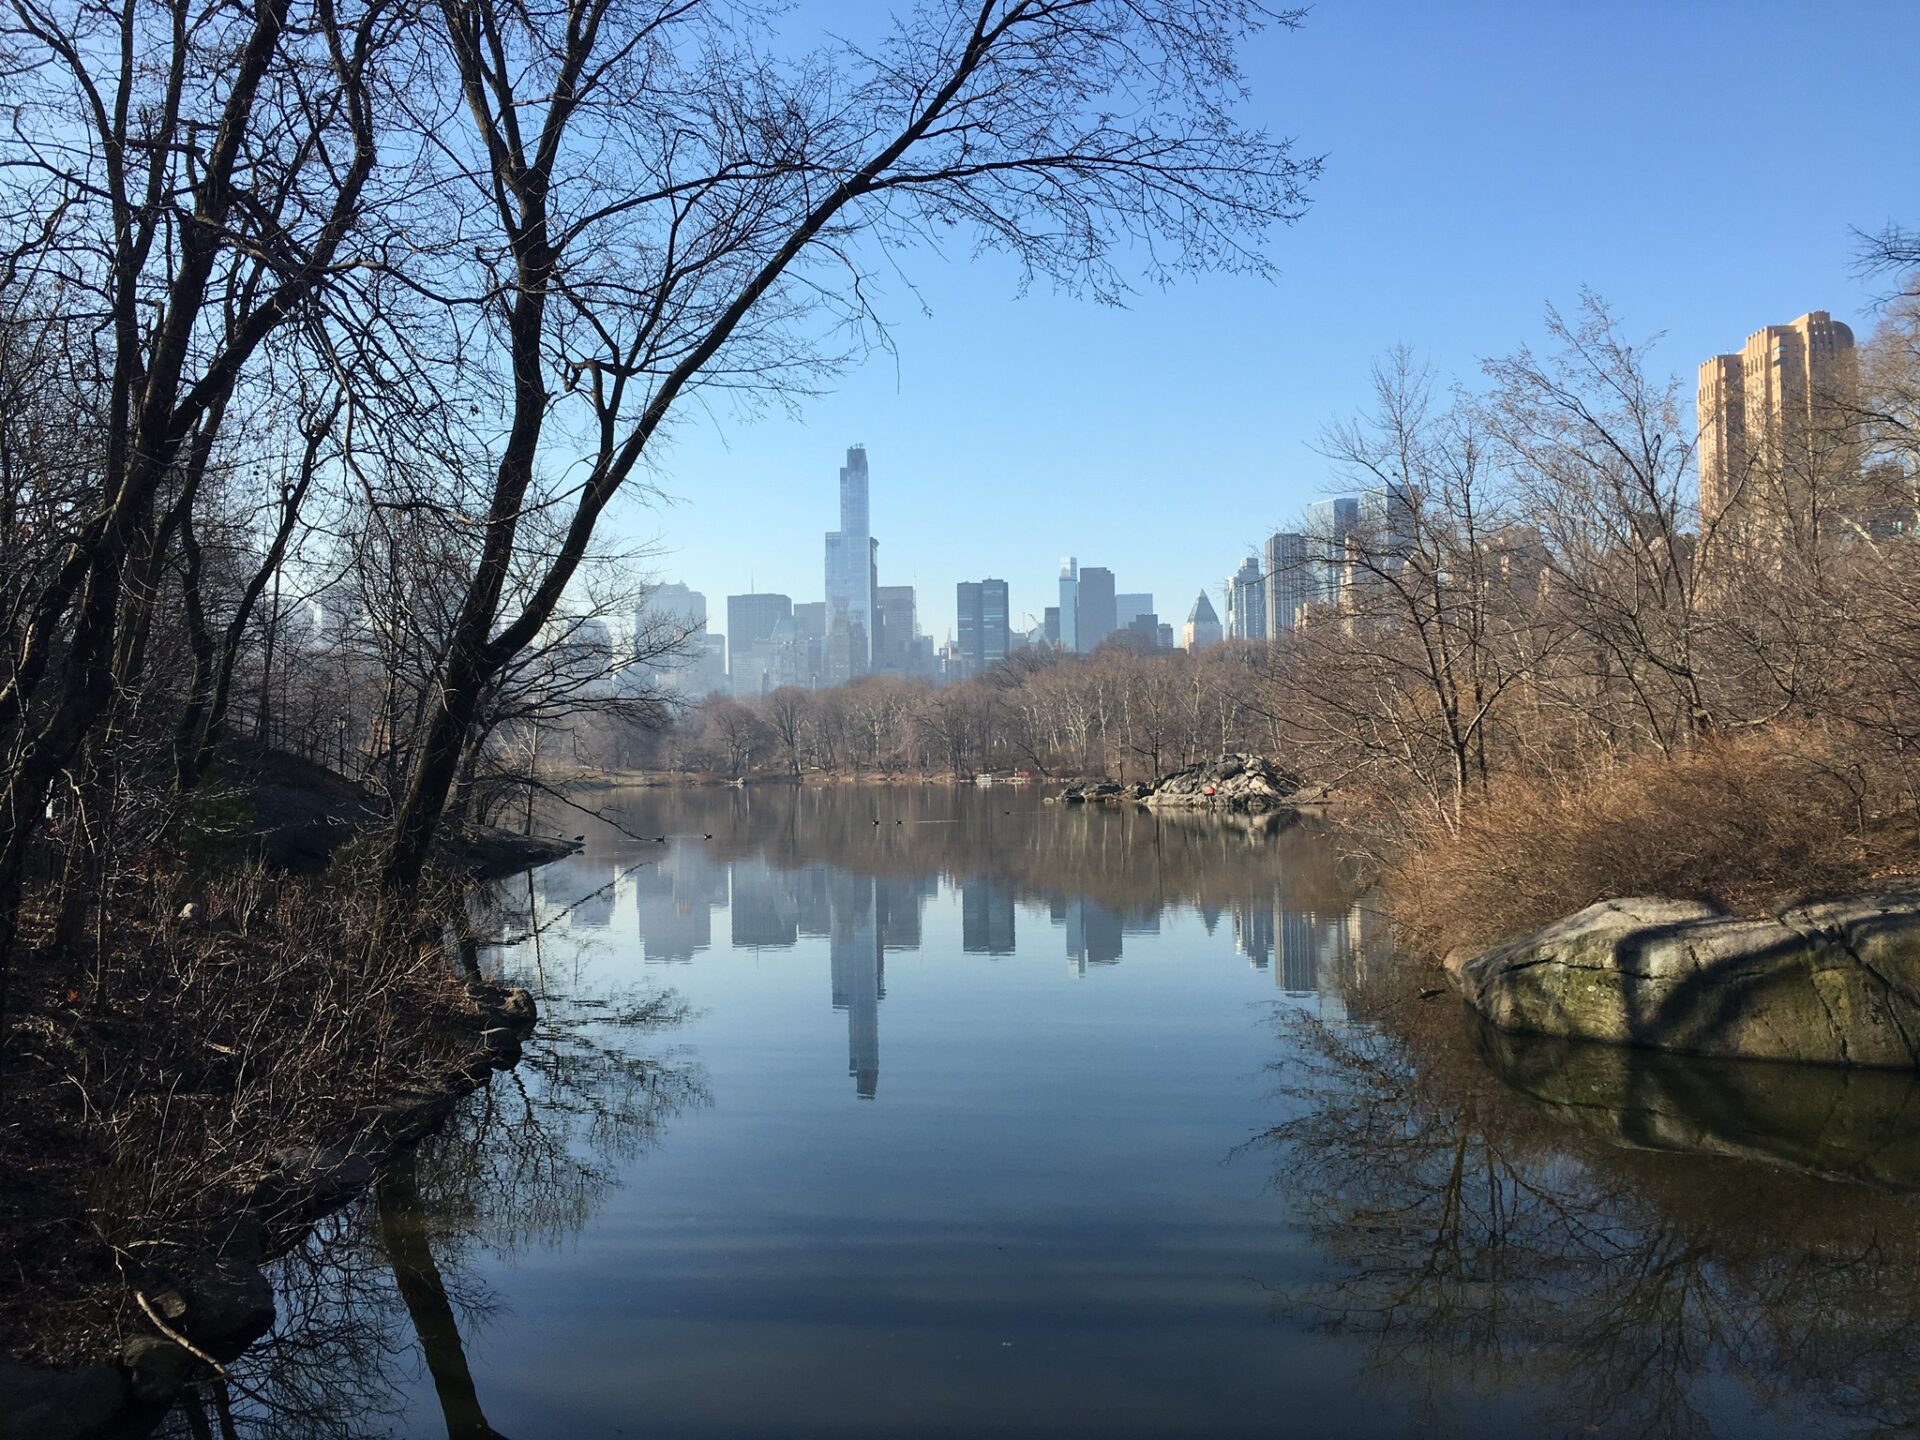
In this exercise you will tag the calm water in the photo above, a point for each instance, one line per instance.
(1000, 1119)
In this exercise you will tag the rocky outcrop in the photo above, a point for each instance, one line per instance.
(1093, 790)
(1233, 782)
(1831, 982)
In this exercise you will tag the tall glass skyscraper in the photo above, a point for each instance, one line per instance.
(850, 577)
(1289, 581)
(1070, 605)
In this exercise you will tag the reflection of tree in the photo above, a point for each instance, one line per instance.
(1488, 1249)
(416, 1275)
(385, 1282)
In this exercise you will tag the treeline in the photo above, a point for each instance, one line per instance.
(1117, 712)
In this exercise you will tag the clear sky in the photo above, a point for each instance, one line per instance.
(1698, 164)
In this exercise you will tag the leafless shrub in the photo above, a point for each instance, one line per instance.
(1741, 823)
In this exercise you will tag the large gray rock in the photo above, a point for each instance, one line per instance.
(229, 1304)
(156, 1369)
(1233, 782)
(1833, 982)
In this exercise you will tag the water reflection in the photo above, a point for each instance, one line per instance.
(1030, 1229)
(1532, 1243)
(859, 974)
(382, 1291)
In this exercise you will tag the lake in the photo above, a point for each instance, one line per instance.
(904, 1111)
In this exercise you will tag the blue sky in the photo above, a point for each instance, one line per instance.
(1698, 164)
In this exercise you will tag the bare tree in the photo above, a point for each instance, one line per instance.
(652, 210)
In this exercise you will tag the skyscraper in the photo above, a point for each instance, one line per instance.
(701, 667)
(982, 609)
(1772, 437)
(1070, 605)
(1130, 607)
(1097, 617)
(1380, 544)
(1246, 602)
(850, 577)
(1288, 585)
(1329, 522)
(753, 616)
(894, 629)
(1203, 625)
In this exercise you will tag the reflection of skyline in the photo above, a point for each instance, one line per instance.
(859, 974)
(581, 887)
(986, 916)
(674, 901)
(1093, 932)
(1312, 952)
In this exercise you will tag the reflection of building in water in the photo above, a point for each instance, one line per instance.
(1253, 933)
(765, 912)
(1093, 934)
(814, 912)
(1317, 950)
(859, 977)
(899, 903)
(986, 917)
(581, 887)
(674, 902)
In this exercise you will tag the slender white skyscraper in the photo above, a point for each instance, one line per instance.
(850, 577)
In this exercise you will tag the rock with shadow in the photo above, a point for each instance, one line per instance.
(1828, 982)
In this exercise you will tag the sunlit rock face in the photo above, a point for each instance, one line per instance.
(1832, 982)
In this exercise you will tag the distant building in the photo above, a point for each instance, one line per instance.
(1289, 583)
(1383, 539)
(1246, 602)
(1773, 440)
(1098, 617)
(1068, 616)
(894, 629)
(1329, 522)
(1144, 628)
(1130, 607)
(1050, 625)
(753, 616)
(701, 667)
(983, 640)
(1166, 636)
(850, 577)
(1203, 625)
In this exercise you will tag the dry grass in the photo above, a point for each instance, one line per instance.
(151, 1078)
(1739, 823)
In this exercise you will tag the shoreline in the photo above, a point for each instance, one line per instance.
(211, 1299)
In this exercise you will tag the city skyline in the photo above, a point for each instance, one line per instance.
(1074, 428)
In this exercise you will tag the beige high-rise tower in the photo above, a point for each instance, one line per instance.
(1774, 432)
